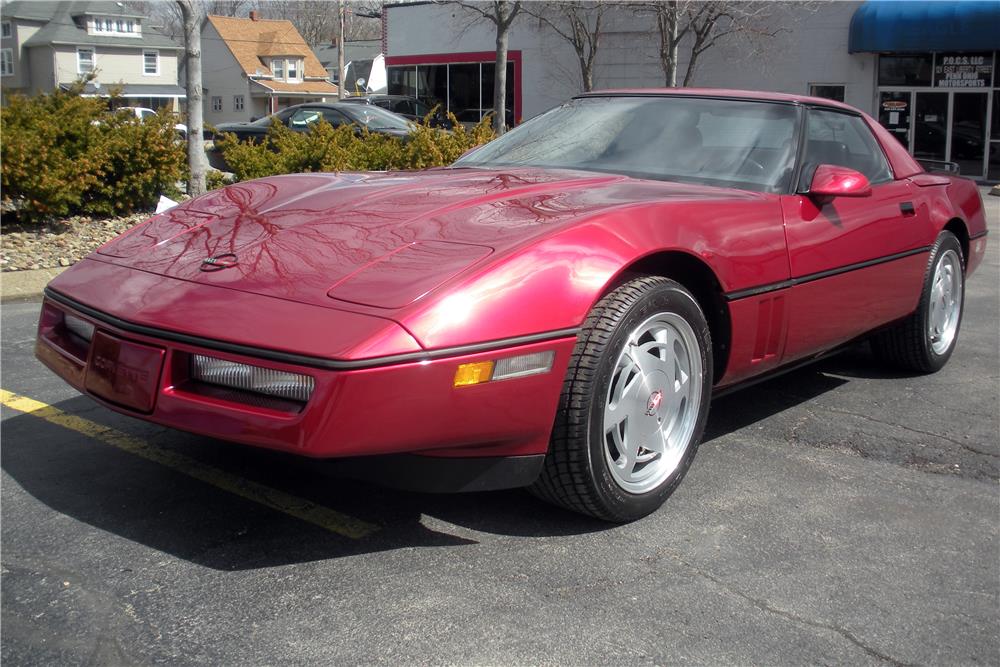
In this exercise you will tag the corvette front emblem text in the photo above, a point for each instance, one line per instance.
(218, 262)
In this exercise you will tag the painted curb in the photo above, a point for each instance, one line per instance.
(26, 285)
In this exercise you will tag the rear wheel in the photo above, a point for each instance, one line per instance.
(924, 341)
(634, 404)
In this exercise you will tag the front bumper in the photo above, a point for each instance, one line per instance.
(402, 407)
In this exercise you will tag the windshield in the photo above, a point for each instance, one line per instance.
(730, 143)
(375, 118)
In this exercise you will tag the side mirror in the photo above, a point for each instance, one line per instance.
(833, 181)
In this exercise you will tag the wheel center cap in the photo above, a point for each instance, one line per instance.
(654, 402)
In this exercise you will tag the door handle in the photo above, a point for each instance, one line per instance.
(907, 208)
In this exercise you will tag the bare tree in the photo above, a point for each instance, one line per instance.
(501, 13)
(340, 49)
(193, 17)
(316, 20)
(168, 17)
(695, 26)
(579, 23)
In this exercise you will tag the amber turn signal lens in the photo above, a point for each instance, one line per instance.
(469, 374)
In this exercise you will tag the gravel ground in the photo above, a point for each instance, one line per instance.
(62, 243)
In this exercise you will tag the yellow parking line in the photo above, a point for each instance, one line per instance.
(300, 508)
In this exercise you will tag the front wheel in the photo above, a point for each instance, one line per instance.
(924, 341)
(634, 404)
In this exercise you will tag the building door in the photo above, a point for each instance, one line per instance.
(930, 126)
(968, 133)
(894, 114)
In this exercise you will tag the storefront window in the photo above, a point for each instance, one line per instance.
(463, 92)
(465, 88)
(488, 70)
(963, 70)
(432, 81)
(905, 70)
(402, 81)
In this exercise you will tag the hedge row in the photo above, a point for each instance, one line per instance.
(63, 154)
(325, 148)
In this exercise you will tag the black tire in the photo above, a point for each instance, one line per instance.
(908, 344)
(576, 474)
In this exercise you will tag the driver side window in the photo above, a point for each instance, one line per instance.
(334, 117)
(843, 140)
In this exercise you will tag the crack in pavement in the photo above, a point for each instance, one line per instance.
(766, 607)
(905, 428)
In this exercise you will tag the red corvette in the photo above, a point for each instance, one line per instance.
(556, 309)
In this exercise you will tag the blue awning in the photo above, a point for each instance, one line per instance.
(901, 26)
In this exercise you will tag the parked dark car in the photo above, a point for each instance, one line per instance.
(301, 116)
(407, 107)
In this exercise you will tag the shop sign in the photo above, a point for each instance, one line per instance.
(963, 70)
(894, 105)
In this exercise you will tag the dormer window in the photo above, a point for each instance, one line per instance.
(123, 27)
(286, 69)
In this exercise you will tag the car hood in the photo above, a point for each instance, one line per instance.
(379, 240)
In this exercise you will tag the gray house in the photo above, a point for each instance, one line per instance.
(358, 59)
(253, 67)
(45, 45)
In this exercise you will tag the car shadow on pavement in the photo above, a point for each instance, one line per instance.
(743, 408)
(170, 511)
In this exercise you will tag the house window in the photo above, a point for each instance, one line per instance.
(293, 70)
(830, 91)
(5, 29)
(216, 104)
(237, 103)
(151, 63)
(108, 26)
(84, 60)
(278, 68)
(6, 62)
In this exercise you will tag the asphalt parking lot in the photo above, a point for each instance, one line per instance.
(839, 514)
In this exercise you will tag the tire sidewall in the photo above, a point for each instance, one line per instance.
(945, 241)
(665, 297)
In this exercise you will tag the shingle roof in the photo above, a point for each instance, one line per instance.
(303, 87)
(62, 29)
(365, 49)
(45, 11)
(249, 39)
